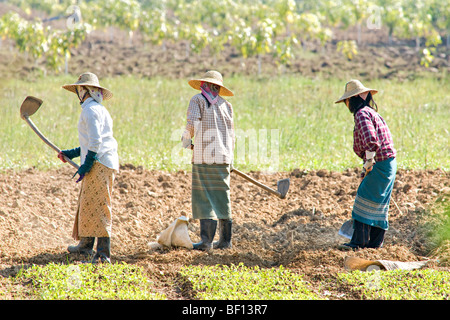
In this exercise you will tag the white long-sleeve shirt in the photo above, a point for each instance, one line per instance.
(95, 133)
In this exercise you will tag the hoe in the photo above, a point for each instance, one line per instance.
(29, 107)
(282, 185)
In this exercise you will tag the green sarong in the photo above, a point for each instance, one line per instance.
(211, 191)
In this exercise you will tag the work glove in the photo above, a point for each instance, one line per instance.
(368, 163)
(87, 165)
(186, 141)
(69, 153)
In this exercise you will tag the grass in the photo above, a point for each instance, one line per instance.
(87, 282)
(441, 232)
(282, 123)
(436, 227)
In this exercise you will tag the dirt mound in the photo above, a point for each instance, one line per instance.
(37, 211)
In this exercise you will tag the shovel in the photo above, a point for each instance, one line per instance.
(282, 185)
(29, 107)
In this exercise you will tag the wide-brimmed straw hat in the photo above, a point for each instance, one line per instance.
(88, 79)
(353, 88)
(212, 77)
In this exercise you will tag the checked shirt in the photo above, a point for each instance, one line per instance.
(371, 133)
(212, 127)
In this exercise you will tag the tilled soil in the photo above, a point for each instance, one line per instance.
(300, 232)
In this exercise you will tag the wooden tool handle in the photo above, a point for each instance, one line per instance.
(243, 175)
(48, 142)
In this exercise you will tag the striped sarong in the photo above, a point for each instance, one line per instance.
(372, 200)
(94, 216)
(211, 191)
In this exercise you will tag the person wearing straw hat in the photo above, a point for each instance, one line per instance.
(373, 143)
(210, 123)
(99, 165)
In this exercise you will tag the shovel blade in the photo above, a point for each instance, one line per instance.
(283, 187)
(29, 106)
(347, 229)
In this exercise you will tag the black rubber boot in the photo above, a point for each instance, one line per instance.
(103, 250)
(225, 231)
(207, 232)
(85, 246)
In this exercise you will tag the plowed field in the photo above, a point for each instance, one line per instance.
(300, 232)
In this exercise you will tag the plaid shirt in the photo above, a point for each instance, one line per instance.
(371, 133)
(213, 130)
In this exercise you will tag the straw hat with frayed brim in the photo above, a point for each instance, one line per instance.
(353, 88)
(88, 79)
(211, 77)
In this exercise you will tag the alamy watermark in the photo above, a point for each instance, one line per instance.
(374, 279)
(256, 147)
(74, 278)
(373, 21)
(73, 18)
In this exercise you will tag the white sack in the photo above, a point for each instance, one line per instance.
(176, 234)
(355, 263)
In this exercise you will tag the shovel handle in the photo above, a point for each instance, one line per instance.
(48, 142)
(259, 184)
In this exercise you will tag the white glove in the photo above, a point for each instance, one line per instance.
(370, 160)
(186, 140)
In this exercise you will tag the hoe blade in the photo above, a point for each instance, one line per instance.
(347, 229)
(29, 106)
(283, 187)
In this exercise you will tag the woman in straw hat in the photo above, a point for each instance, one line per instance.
(99, 164)
(210, 122)
(374, 145)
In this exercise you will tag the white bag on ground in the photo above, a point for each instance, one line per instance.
(355, 263)
(176, 234)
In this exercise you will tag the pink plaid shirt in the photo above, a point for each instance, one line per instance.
(371, 133)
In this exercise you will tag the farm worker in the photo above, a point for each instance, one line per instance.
(372, 142)
(99, 165)
(210, 122)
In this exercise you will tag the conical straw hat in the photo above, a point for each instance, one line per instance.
(91, 80)
(353, 88)
(211, 77)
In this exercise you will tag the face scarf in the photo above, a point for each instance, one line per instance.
(81, 93)
(210, 91)
(95, 93)
(356, 102)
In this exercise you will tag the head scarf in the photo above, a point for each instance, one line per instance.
(209, 91)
